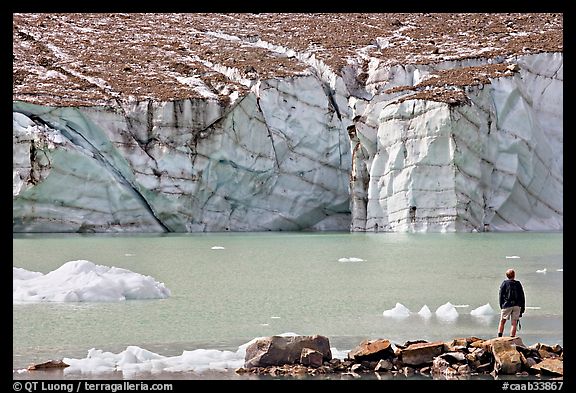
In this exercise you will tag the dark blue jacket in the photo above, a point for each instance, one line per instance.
(512, 294)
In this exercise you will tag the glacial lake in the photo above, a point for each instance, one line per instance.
(229, 288)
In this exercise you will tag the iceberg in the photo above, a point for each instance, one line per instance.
(351, 259)
(399, 311)
(84, 281)
(425, 312)
(447, 312)
(485, 310)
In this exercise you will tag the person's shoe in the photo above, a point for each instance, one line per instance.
(499, 334)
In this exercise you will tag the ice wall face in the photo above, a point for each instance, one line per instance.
(293, 155)
(278, 159)
(492, 162)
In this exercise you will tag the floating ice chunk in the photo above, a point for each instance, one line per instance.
(461, 305)
(532, 308)
(399, 311)
(425, 312)
(447, 311)
(512, 257)
(137, 360)
(339, 354)
(351, 259)
(128, 255)
(483, 310)
(559, 270)
(274, 317)
(541, 271)
(217, 248)
(84, 281)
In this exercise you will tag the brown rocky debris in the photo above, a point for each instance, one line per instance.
(466, 357)
(86, 59)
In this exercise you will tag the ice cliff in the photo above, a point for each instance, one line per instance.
(487, 158)
(297, 141)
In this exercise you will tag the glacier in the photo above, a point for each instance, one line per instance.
(356, 122)
(278, 160)
(288, 156)
(494, 163)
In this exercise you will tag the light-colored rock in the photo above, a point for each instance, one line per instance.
(280, 350)
(507, 360)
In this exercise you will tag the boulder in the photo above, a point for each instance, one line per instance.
(550, 366)
(507, 360)
(280, 350)
(48, 364)
(384, 365)
(421, 353)
(454, 357)
(372, 350)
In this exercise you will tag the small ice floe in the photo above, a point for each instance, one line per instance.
(338, 353)
(512, 257)
(351, 259)
(532, 308)
(264, 324)
(541, 271)
(447, 312)
(559, 270)
(274, 317)
(138, 360)
(84, 281)
(128, 255)
(461, 305)
(484, 310)
(217, 248)
(399, 311)
(425, 312)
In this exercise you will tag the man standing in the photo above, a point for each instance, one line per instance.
(512, 302)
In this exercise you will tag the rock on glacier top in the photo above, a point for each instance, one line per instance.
(97, 59)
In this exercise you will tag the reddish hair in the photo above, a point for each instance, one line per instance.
(510, 274)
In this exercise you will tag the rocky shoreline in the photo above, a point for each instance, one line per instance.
(310, 357)
(459, 358)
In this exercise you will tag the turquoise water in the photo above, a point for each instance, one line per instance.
(263, 284)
